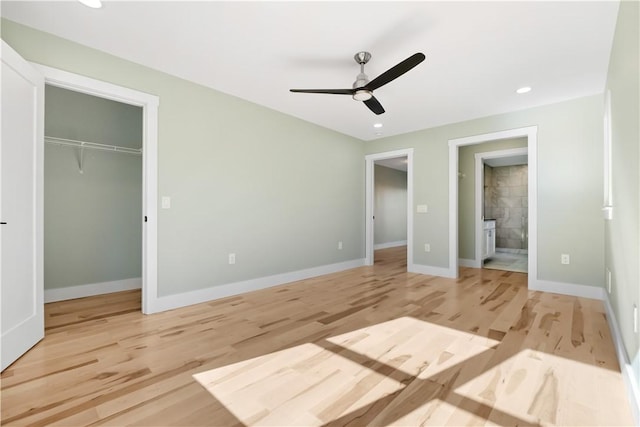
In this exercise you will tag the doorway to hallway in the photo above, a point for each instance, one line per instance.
(371, 162)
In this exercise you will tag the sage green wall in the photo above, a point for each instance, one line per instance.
(623, 231)
(92, 220)
(467, 191)
(390, 205)
(277, 191)
(569, 185)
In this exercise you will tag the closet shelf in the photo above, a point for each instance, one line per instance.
(92, 145)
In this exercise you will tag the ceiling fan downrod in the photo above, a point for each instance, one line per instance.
(361, 79)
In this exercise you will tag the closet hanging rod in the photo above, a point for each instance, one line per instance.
(93, 145)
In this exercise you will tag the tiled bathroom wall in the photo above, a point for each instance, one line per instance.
(505, 199)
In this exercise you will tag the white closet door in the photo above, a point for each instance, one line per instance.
(21, 186)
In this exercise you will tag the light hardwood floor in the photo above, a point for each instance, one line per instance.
(369, 346)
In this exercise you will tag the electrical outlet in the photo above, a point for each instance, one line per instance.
(340, 245)
(565, 259)
(608, 280)
(427, 247)
(232, 258)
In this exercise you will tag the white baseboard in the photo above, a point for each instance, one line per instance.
(170, 302)
(471, 263)
(91, 289)
(623, 360)
(430, 270)
(390, 245)
(583, 291)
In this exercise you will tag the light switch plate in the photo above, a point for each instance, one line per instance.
(166, 202)
(422, 209)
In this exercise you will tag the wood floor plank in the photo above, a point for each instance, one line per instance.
(369, 346)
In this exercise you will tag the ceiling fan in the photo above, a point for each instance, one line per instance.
(363, 88)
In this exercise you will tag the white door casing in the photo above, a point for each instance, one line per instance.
(21, 207)
(531, 133)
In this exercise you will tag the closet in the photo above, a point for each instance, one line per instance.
(92, 195)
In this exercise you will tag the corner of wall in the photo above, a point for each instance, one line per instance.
(625, 364)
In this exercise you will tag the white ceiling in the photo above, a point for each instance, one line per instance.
(478, 53)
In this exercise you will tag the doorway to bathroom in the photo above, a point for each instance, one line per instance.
(502, 193)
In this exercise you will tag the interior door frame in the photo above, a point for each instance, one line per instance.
(370, 160)
(479, 191)
(531, 133)
(149, 104)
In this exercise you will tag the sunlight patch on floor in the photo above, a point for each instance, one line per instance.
(414, 373)
(548, 389)
(313, 384)
(302, 385)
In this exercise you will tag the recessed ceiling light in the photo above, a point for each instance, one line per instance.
(377, 125)
(378, 133)
(95, 4)
(524, 89)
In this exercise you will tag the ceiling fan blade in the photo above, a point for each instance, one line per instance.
(328, 91)
(395, 72)
(374, 105)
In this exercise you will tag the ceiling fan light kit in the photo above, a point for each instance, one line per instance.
(362, 95)
(363, 88)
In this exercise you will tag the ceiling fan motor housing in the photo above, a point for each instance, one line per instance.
(362, 79)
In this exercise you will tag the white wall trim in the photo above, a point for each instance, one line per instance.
(149, 104)
(91, 289)
(623, 360)
(479, 189)
(389, 245)
(369, 199)
(583, 291)
(430, 270)
(471, 263)
(531, 133)
(170, 302)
